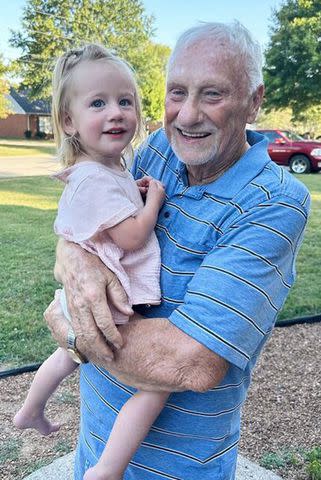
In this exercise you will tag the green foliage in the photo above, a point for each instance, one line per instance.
(281, 119)
(4, 89)
(294, 457)
(10, 450)
(62, 447)
(152, 81)
(293, 57)
(50, 27)
(277, 460)
(308, 121)
(314, 463)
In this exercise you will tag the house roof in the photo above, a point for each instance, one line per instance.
(20, 103)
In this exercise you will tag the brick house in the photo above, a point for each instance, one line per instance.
(26, 115)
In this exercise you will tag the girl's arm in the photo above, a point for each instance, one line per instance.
(133, 232)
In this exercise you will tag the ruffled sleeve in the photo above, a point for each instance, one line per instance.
(90, 205)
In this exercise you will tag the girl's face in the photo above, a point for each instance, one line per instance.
(102, 109)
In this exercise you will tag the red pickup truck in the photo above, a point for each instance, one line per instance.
(288, 148)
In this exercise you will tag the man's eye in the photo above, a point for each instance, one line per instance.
(176, 95)
(212, 94)
(177, 92)
(97, 103)
(125, 102)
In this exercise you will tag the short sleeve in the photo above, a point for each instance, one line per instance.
(96, 203)
(234, 297)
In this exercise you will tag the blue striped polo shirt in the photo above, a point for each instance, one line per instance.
(228, 262)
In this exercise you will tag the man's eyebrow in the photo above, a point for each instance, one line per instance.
(174, 84)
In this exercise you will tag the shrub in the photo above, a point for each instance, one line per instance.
(314, 463)
(28, 133)
(40, 135)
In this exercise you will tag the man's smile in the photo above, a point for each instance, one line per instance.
(187, 134)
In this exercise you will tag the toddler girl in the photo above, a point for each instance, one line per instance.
(96, 114)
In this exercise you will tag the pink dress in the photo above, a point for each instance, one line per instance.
(95, 199)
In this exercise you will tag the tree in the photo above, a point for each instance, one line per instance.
(281, 119)
(4, 90)
(293, 57)
(152, 81)
(50, 27)
(308, 123)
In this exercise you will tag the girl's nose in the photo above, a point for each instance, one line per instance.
(114, 111)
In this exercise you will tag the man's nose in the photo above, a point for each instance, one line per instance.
(190, 112)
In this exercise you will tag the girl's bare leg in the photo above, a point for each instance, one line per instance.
(58, 366)
(130, 428)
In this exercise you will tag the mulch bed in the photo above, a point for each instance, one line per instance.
(281, 418)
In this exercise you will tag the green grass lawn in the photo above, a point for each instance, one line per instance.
(28, 208)
(23, 147)
(305, 298)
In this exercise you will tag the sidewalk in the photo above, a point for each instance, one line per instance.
(62, 468)
(28, 166)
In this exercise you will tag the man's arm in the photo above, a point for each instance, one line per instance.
(156, 355)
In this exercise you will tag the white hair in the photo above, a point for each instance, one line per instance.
(233, 35)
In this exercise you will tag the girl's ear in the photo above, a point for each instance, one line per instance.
(68, 125)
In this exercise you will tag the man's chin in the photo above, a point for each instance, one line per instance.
(189, 159)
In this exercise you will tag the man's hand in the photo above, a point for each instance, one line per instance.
(92, 345)
(88, 283)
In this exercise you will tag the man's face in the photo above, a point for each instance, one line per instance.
(207, 104)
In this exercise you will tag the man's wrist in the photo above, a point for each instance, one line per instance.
(72, 349)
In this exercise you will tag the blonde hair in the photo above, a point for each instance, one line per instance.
(68, 146)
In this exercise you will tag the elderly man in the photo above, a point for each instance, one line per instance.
(229, 232)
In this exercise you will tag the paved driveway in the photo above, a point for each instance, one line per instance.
(28, 166)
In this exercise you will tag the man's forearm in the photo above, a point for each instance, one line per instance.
(158, 356)
(155, 354)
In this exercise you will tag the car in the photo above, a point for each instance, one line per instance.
(288, 148)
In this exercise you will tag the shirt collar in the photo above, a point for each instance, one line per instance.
(240, 174)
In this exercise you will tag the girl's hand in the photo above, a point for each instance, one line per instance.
(143, 184)
(156, 192)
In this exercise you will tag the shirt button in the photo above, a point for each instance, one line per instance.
(166, 214)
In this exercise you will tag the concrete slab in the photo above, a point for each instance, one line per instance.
(62, 468)
(28, 166)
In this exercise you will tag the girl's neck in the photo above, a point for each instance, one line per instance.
(114, 164)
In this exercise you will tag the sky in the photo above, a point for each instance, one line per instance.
(171, 18)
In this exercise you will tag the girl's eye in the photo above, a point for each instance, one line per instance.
(97, 103)
(125, 102)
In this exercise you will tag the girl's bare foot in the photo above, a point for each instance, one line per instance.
(38, 421)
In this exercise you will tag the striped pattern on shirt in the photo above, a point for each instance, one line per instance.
(228, 262)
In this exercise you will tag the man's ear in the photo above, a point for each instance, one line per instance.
(255, 103)
(68, 125)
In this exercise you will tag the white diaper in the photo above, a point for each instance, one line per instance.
(63, 303)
